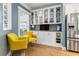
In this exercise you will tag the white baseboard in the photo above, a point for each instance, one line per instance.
(54, 45)
(9, 53)
(63, 48)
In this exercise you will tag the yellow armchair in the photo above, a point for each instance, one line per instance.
(17, 43)
(32, 37)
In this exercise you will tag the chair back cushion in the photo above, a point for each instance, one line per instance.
(29, 33)
(12, 36)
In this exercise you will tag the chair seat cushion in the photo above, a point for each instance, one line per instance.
(32, 39)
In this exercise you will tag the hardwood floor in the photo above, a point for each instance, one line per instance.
(41, 50)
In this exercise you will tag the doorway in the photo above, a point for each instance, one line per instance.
(23, 21)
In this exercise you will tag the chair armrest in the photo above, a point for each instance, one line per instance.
(34, 35)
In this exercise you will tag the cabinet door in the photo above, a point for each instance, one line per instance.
(37, 34)
(58, 14)
(32, 18)
(52, 38)
(46, 16)
(36, 17)
(51, 15)
(47, 38)
(43, 38)
(40, 16)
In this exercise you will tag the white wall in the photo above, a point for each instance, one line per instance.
(71, 8)
(27, 7)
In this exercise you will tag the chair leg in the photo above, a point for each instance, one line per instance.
(11, 53)
(23, 53)
(29, 45)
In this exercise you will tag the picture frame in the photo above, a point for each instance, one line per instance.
(7, 21)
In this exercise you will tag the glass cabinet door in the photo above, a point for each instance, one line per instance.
(40, 16)
(32, 18)
(58, 14)
(51, 15)
(36, 17)
(46, 16)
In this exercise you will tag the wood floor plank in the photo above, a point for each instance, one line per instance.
(41, 50)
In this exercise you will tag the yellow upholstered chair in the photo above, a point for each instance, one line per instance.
(32, 37)
(17, 43)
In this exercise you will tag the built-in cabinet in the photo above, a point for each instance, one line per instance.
(46, 23)
(47, 15)
(48, 38)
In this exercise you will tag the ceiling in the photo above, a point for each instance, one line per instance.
(39, 5)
